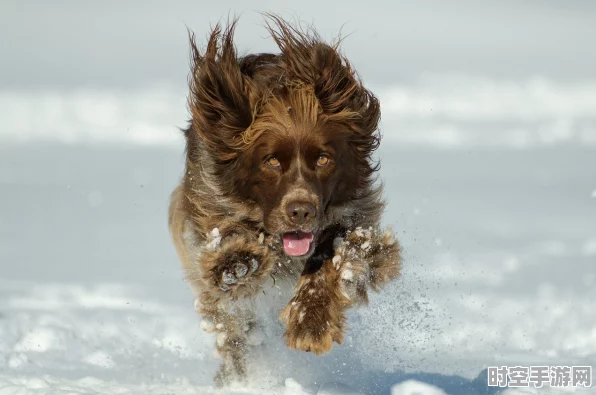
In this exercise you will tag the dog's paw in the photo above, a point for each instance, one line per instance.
(353, 282)
(312, 328)
(236, 269)
(386, 260)
(360, 243)
(367, 256)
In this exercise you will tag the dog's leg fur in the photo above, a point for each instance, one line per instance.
(315, 317)
(232, 326)
(229, 276)
(223, 272)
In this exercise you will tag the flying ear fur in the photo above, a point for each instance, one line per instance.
(307, 59)
(223, 101)
(219, 94)
(341, 95)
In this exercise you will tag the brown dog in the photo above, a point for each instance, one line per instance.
(279, 182)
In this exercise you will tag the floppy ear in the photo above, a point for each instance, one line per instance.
(340, 92)
(219, 94)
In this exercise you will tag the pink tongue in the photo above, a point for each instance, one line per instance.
(297, 243)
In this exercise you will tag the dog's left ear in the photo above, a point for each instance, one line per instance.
(340, 92)
(219, 98)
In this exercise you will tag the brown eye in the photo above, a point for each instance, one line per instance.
(273, 162)
(323, 160)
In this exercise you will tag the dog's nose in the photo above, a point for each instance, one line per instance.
(300, 212)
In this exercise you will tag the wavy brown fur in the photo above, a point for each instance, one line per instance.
(231, 208)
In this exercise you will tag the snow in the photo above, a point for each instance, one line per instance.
(213, 239)
(100, 359)
(413, 387)
(293, 388)
(448, 110)
(93, 301)
(207, 325)
(488, 161)
(39, 340)
(589, 248)
(347, 275)
(336, 260)
(337, 389)
(256, 337)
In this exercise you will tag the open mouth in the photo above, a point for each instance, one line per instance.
(297, 243)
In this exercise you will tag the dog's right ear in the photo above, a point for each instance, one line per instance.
(219, 94)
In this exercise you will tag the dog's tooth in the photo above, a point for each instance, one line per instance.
(229, 278)
(225, 288)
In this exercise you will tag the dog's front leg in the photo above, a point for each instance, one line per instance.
(235, 326)
(234, 268)
(315, 317)
(228, 272)
(366, 258)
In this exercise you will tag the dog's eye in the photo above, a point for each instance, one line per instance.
(273, 162)
(322, 160)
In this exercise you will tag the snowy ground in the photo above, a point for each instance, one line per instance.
(500, 248)
(489, 161)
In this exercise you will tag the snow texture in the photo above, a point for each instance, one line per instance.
(93, 301)
(213, 239)
(413, 387)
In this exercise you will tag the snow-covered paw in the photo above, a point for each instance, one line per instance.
(360, 243)
(236, 270)
(353, 283)
(372, 256)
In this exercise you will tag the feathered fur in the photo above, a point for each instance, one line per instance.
(230, 211)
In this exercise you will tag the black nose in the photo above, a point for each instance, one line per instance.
(300, 212)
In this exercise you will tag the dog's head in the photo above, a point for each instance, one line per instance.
(291, 133)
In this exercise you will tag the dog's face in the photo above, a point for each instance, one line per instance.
(297, 168)
(291, 133)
